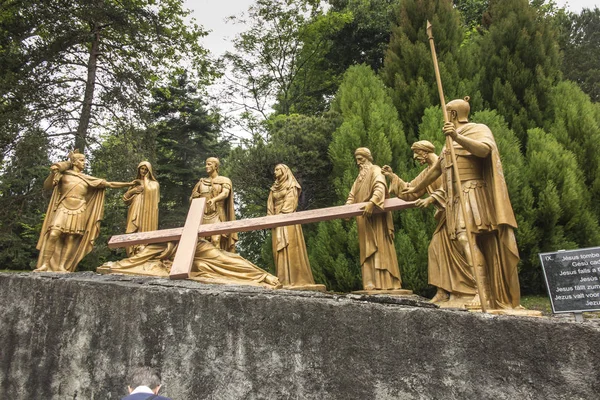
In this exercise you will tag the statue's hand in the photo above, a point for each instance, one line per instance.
(210, 203)
(368, 209)
(408, 190)
(54, 168)
(450, 130)
(424, 203)
(386, 170)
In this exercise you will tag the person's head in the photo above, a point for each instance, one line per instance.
(77, 159)
(212, 164)
(363, 156)
(280, 171)
(458, 110)
(145, 170)
(421, 150)
(144, 376)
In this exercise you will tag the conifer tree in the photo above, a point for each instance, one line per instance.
(562, 207)
(520, 61)
(408, 68)
(369, 120)
(575, 125)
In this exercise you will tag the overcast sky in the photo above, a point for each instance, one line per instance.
(211, 14)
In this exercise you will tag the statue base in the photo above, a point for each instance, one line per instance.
(314, 288)
(387, 292)
(519, 312)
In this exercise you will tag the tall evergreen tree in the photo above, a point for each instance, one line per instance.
(408, 69)
(562, 208)
(370, 120)
(575, 125)
(520, 63)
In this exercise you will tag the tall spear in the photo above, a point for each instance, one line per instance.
(450, 147)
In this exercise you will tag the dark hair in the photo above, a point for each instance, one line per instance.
(144, 376)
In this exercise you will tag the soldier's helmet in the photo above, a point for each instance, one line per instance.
(462, 108)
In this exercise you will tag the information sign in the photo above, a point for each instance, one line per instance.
(573, 279)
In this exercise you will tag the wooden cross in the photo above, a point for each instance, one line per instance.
(193, 228)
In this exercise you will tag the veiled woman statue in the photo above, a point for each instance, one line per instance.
(289, 249)
(142, 199)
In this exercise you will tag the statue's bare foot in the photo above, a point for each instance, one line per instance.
(273, 281)
(42, 268)
(370, 286)
(62, 269)
(440, 296)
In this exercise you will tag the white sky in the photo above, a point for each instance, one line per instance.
(211, 14)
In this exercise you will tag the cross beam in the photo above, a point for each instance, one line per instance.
(182, 264)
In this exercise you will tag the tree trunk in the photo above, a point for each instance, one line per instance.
(88, 97)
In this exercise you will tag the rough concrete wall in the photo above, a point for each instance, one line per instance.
(75, 337)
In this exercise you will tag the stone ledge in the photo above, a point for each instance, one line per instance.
(75, 336)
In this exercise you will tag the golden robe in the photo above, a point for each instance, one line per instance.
(222, 211)
(489, 214)
(375, 233)
(142, 214)
(76, 207)
(211, 265)
(289, 248)
(447, 268)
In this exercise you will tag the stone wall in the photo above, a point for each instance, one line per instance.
(75, 337)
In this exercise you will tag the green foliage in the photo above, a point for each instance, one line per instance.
(22, 203)
(300, 142)
(363, 40)
(581, 60)
(68, 58)
(408, 61)
(562, 216)
(576, 126)
(275, 58)
(370, 120)
(520, 63)
(176, 145)
(334, 262)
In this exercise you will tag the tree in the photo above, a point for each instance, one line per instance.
(22, 202)
(369, 120)
(408, 67)
(520, 62)
(562, 211)
(95, 60)
(581, 61)
(575, 125)
(177, 144)
(273, 63)
(299, 141)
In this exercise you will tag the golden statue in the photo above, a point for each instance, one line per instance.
(375, 231)
(489, 214)
(73, 217)
(219, 205)
(211, 265)
(448, 270)
(289, 249)
(142, 199)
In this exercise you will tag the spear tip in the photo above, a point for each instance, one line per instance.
(429, 30)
